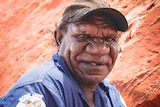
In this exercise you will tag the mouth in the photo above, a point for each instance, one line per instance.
(91, 63)
(93, 68)
(94, 64)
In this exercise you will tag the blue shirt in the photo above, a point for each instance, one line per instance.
(52, 85)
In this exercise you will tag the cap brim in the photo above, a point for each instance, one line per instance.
(118, 18)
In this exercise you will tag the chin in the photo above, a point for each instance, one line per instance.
(93, 80)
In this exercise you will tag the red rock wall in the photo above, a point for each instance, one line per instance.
(26, 41)
(137, 72)
(26, 38)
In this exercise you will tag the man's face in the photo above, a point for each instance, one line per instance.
(89, 49)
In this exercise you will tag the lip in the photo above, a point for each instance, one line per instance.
(93, 68)
(94, 64)
(87, 62)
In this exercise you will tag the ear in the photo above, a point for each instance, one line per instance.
(58, 37)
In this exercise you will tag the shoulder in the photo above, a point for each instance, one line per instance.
(36, 84)
(35, 75)
(45, 75)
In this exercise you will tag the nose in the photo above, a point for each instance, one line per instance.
(98, 47)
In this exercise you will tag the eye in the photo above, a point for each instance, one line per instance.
(82, 36)
(107, 39)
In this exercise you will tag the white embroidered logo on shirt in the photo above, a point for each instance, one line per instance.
(29, 100)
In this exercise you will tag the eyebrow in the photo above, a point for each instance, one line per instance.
(102, 26)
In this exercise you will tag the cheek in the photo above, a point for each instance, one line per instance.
(70, 49)
(75, 48)
(63, 48)
(114, 52)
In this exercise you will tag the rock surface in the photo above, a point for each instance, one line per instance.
(26, 41)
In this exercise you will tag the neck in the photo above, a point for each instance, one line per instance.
(89, 92)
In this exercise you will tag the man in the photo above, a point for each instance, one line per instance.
(87, 50)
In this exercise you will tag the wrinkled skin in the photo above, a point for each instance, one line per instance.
(89, 49)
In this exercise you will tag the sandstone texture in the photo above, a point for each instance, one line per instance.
(26, 40)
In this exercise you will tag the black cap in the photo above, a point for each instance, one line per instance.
(83, 8)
